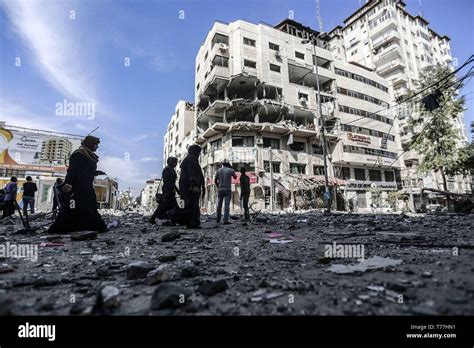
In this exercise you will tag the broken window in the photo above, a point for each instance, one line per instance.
(297, 146)
(302, 96)
(249, 42)
(317, 149)
(389, 176)
(219, 38)
(216, 144)
(274, 67)
(250, 63)
(297, 168)
(359, 174)
(273, 46)
(375, 175)
(299, 55)
(275, 165)
(346, 173)
(244, 141)
(220, 61)
(318, 170)
(271, 142)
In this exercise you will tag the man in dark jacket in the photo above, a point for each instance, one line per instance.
(80, 211)
(245, 192)
(191, 186)
(168, 198)
(10, 197)
(29, 189)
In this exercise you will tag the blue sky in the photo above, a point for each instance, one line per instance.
(80, 55)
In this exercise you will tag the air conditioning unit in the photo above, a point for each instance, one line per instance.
(259, 140)
(223, 47)
(278, 54)
(303, 101)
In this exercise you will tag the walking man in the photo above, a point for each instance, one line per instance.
(245, 192)
(29, 189)
(223, 180)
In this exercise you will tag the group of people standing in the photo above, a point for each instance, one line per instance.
(9, 196)
(75, 198)
(192, 188)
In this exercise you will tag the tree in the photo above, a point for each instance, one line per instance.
(436, 138)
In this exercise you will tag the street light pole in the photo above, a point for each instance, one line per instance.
(327, 194)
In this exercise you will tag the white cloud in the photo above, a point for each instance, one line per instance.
(47, 30)
(129, 173)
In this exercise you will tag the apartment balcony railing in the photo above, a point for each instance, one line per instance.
(393, 35)
(388, 54)
(390, 66)
(382, 27)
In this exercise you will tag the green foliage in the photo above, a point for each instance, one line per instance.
(436, 138)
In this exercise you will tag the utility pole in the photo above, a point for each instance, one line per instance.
(271, 181)
(327, 194)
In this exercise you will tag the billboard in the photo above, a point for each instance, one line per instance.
(22, 148)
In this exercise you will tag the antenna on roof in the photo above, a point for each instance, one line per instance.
(419, 12)
(318, 16)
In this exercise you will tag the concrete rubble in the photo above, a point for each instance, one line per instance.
(412, 264)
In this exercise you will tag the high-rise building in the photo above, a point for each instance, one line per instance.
(180, 131)
(148, 194)
(56, 151)
(257, 106)
(383, 36)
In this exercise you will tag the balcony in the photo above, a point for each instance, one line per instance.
(411, 156)
(398, 79)
(387, 54)
(390, 66)
(390, 36)
(383, 27)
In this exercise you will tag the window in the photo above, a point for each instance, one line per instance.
(246, 141)
(302, 96)
(197, 87)
(299, 55)
(271, 142)
(353, 52)
(206, 55)
(389, 176)
(219, 38)
(318, 150)
(359, 174)
(375, 175)
(275, 165)
(318, 170)
(273, 46)
(297, 146)
(197, 69)
(297, 168)
(216, 144)
(346, 173)
(220, 61)
(275, 68)
(249, 42)
(250, 64)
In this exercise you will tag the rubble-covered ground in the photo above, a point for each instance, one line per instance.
(278, 265)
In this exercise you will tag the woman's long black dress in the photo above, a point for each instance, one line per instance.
(79, 208)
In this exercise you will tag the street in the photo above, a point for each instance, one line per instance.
(289, 264)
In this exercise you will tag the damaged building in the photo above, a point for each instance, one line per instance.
(256, 106)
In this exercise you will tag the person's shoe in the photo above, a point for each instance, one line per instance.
(227, 223)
